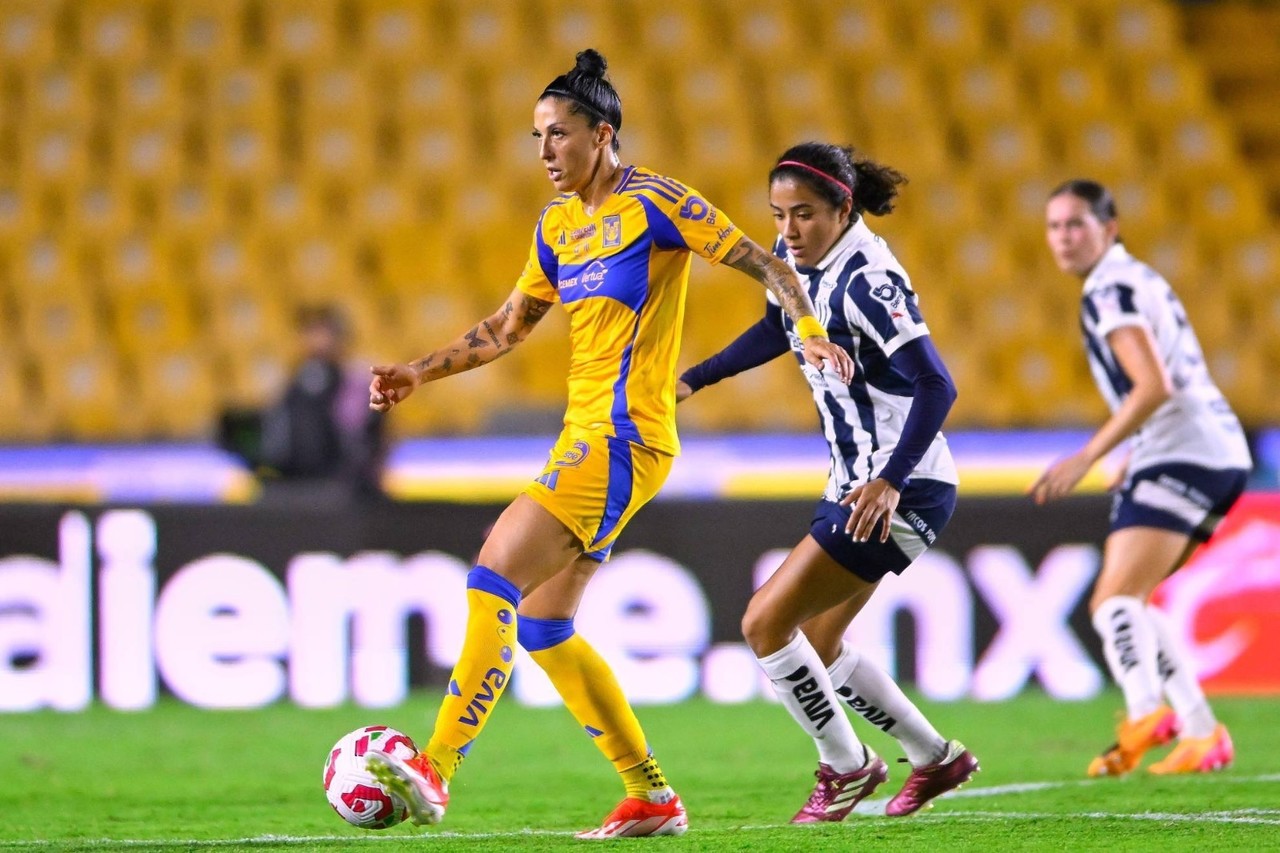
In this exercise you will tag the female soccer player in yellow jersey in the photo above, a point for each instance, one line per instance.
(614, 249)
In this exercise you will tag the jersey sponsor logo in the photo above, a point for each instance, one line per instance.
(591, 278)
(573, 456)
(892, 296)
(712, 248)
(584, 232)
(612, 230)
(694, 209)
(874, 715)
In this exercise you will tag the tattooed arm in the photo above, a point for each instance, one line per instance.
(491, 338)
(747, 257)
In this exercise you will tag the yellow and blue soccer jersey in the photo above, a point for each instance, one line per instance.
(621, 274)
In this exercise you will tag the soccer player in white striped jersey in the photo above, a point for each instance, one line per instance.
(892, 483)
(1188, 463)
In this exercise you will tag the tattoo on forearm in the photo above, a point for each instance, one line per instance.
(749, 258)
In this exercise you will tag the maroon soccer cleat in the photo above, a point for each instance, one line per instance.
(836, 794)
(932, 780)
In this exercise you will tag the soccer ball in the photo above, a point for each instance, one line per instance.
(354, 793)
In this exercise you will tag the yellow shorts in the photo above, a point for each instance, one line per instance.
(595, 483)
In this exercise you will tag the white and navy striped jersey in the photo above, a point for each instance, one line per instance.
(864, 298)
(1196, 424)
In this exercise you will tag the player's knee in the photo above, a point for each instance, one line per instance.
(762, 630)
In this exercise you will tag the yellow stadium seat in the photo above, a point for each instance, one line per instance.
(340, 149)
(984, 91)
(149, 149)
(1016, 146)
(870, 26)
(239, 317)
(1251, 262)
(148, 93)
(1167, 89)
(1080, 89)
(722, 148)
(805, 103)
(947, 31)
(176, 393)
(498, 30)
(398, 31)
(244, 95)
(56, 153)
(303, 32)
(1223, 204)
(668, 32)
(570, 26)
(1040, 30)
(981, 260)
(88, 397)
(48, 264)
(1104, 148)
(244, 152)
(1021, 201)
(207, 31)
(1138, 31)
(152, 319)
(28, 32)
(945, 207)
(254, 376)
(760, 30)
(100, 212)
(892, 89)
(1144, 211)
(59, 93)
(113, 30)
(191, 207)
(1178, 257)
(1197, 142)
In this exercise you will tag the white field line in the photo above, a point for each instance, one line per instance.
(1252, 816)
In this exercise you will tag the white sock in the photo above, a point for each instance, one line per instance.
(1179, 677)
(873, 695)
(801, 682)
(1130, 647)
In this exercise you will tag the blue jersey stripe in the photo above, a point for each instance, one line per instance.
(671, 184)
(655, 188)
(620, 414)
(665, 234)
(1099, 353)
(621, 484)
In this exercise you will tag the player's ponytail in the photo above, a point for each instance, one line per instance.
(837, 174)
(589, 92)
(877, 187)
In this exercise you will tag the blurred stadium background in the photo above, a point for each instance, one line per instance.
(178, 176)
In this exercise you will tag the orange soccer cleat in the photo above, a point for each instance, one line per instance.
(637, 818)
(415, 781)
(1198, 754)
(1133, 739)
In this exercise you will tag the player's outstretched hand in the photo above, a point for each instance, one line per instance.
(1060, 478)
(391, 384)
(818, 350)
(872, 503)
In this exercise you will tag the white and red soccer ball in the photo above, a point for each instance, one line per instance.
(352, 790)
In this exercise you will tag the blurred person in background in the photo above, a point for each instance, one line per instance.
(890, 491)
(614, 248)
(1188, 463)
(321, 429)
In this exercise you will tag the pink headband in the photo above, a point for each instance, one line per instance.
(817, 172)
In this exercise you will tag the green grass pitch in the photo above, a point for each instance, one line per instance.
(176, 778)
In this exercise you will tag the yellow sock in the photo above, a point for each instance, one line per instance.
(592, 694)
(482, 671)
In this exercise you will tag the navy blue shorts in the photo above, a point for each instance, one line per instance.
(1177, 496)
(924, 509)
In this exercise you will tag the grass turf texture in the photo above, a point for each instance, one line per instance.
(175, 778)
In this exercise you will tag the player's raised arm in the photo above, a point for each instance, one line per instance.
(746, 256)
(491, 338)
